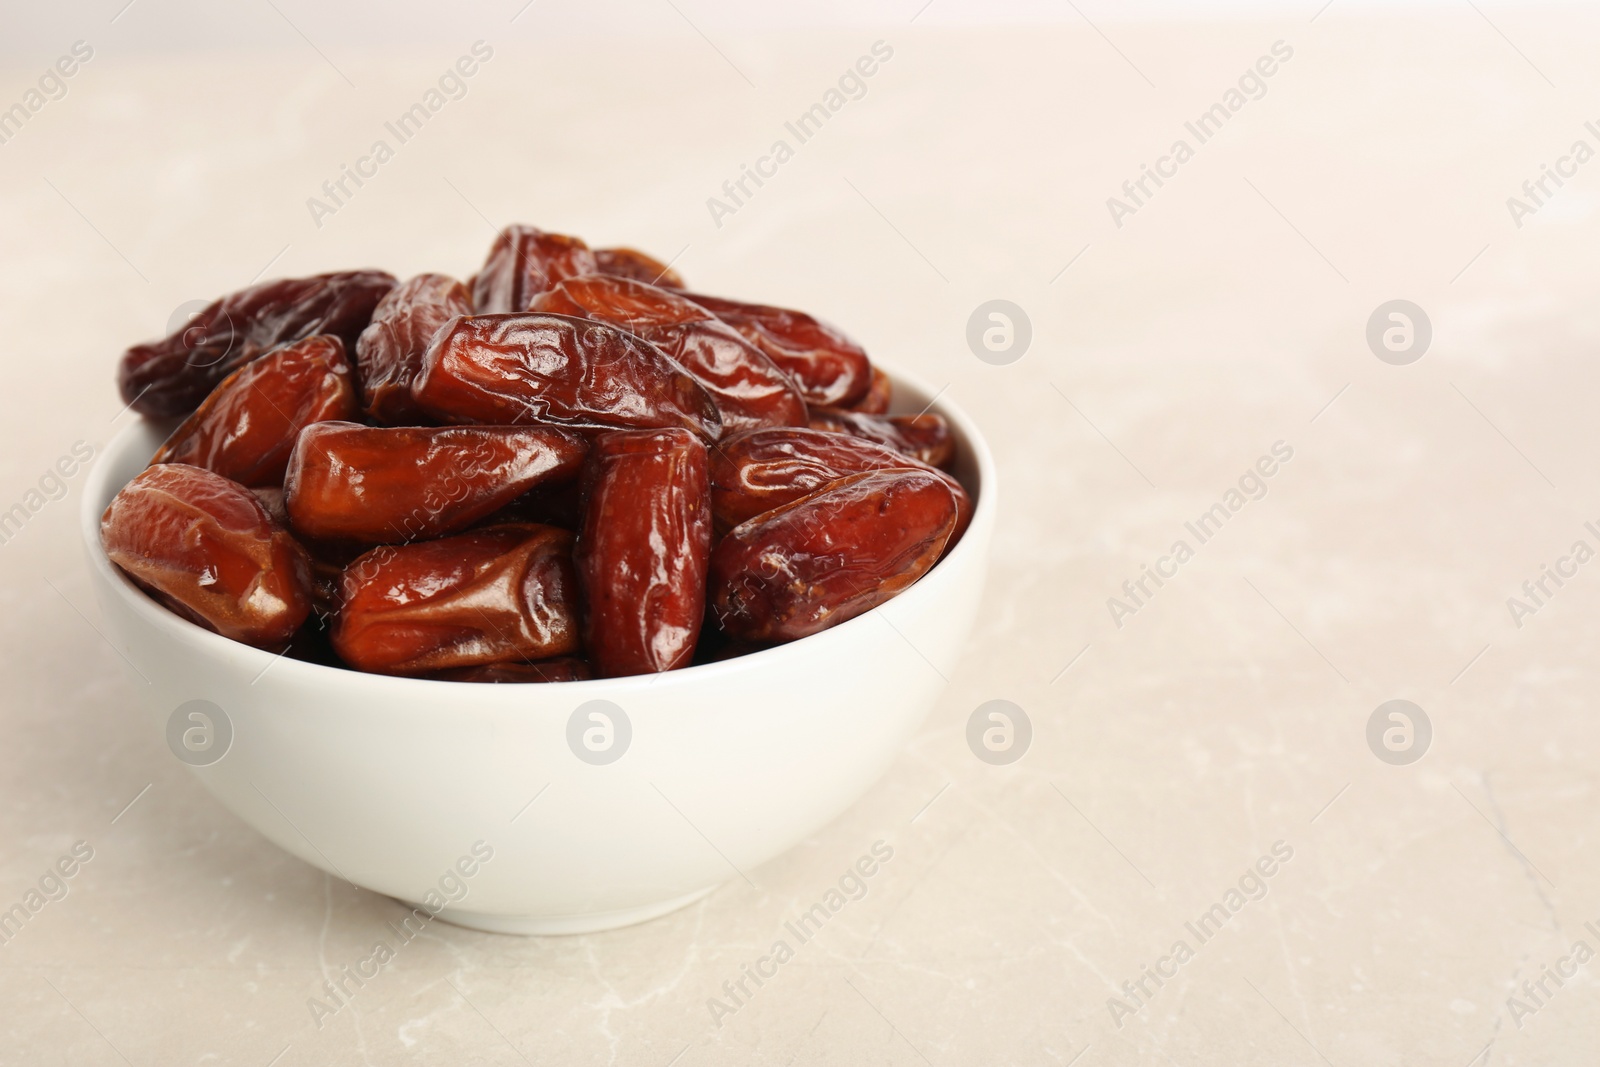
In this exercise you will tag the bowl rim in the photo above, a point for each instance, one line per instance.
(217, 646)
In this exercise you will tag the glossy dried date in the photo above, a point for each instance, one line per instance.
(749, 389)
(632, 263)
(172, 376)
(248, 425)
(391, 484)
(496, 595)
(390, 350)
(537, 367)
(523, 262)
(206, 548)
(926, 437)
(756, 471)
(830, 369)
(830, 556)
(642, 550)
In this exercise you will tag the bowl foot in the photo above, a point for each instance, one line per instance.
(586, 923)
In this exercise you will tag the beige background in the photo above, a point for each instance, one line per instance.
(1229, 713)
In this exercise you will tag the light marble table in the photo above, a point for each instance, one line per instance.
(1177, 739)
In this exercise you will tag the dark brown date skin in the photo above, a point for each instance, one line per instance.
(642, 550)
(247, 427)
(830, 369)
(876, 402)
(172, 376)
(830, 556)
(384, 485)
(538, 367)
(206, 548)
(496, 595)
(389, 352)
(523, 262)
(749, 389)
(756, 471)
(632, 263)
(924, 437)
(565, 669)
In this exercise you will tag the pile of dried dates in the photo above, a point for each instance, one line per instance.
(569, 467)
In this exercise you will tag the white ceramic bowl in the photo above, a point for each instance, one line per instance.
(402, 785)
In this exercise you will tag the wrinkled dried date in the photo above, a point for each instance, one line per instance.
(642, 551)
(205, 547)
(246, 428)
(831, 556)
(523, 262)
(172, 376)
(632, 263)
(558, 369)
(381, 485)
(756, 471)
(748, 387)
(496, 595)
(830, 369)
(925, 437)
(390, 350)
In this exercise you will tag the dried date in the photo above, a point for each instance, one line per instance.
(206, 548)
(925, 437)
(173, 375)
(247, 427)
(383, 485)
(642, 551)
(876, 402)
(756, 471)
(831, 556)
(830, 369)
(537, 367)
(749, 389)
(523, 262)
(496, 595)
(389, 352)
(632, 263)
